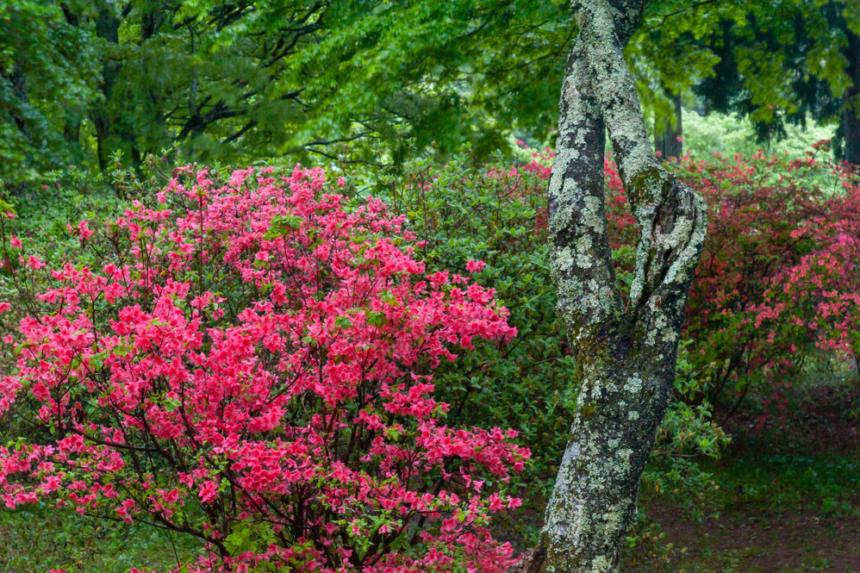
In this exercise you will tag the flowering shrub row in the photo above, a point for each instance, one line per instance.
(251, 362)
(778, 279)
(264, 364)
(774, 289)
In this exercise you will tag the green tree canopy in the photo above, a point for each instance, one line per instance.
(240, 81)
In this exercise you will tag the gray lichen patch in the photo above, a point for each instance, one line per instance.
(633, 384)
(564, 259)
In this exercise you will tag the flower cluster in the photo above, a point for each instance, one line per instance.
(251, 362)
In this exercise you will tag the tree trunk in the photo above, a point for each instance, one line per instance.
(667, 141)
(107, 29)
(850, 121)
(113, 131)
(625, 353)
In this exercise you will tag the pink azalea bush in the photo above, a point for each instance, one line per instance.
(251, 363)
(777, 283)
(825, 282)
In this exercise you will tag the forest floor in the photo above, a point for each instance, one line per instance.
(788, 497)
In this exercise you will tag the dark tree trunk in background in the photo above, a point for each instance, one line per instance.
(850, 124)
(107, 29)
(625, 353)
(18, 106)
(667, 140)
(112, 130)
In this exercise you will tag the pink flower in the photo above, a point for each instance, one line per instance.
(73, 443)
(475, 266)
(208, 491)
(15, 242)
(83, 228)
(496, 503)
(33, 262)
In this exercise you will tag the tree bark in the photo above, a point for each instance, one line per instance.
(625, 353)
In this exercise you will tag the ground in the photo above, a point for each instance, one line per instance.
(788, 497)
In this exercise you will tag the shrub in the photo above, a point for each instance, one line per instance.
(755, 206)
(762, 216)
(251, 362)
(824, 283)
(495, 214)
(774, 222)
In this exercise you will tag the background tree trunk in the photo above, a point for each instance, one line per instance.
(666, 140)
(625, 350)
(850, 121)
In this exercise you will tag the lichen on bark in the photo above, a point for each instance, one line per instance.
(625, 353)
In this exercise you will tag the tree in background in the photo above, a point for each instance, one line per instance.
(244, 81)
(240, 82)
(45, 73)
(784, 62)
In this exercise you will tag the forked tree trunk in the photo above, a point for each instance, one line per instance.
(625, 353)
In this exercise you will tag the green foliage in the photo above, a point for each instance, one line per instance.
(731, 134)
(42, 539)
(687, 434)
(241, 82)
(777, 64)
(75, 193)
(47, 69)
(780, 63)
(495, 215)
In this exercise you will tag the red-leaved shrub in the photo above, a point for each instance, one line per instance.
(821, 293)
(779, 273)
